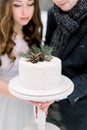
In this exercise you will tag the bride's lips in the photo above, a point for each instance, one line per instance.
(25, 18)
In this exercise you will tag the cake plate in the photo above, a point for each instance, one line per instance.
(64, 89)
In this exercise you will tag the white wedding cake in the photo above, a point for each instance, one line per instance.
(41, 75)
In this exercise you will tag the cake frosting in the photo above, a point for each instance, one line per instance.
(41, 75)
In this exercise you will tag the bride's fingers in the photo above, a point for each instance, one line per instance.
(46, 104)
(34, 103)
(42, 105)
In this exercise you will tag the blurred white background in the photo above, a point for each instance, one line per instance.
(45, 4)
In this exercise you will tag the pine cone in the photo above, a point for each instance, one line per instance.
(48, 57)
(36, 57)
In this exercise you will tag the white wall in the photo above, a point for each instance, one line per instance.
(44, 22)
(45, 4)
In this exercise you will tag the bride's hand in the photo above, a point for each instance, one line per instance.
(43, 106)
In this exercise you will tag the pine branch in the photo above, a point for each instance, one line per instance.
(36, 54)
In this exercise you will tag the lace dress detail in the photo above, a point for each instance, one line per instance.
(15, 114)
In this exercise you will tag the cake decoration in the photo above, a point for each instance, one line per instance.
(36, 54)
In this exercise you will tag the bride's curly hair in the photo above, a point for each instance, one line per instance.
(32, 31)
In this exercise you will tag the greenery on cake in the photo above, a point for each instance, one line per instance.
(36, 54)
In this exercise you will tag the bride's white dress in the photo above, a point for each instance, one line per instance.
(15, 114)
